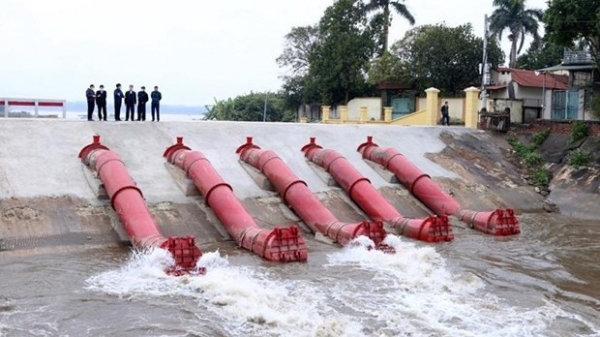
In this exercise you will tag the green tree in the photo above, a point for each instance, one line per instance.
(300, 45)
(339, 62)
(383, 17)
(568, 21)
(537, 57)
(388, 68)
(250, 107)
(512, 15)
(444, 57)
(298, 91)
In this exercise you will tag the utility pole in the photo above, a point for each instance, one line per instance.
(484, 66)
(265, 110)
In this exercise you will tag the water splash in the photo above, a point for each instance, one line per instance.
(252, 300)
(413, 293)
(358, 292)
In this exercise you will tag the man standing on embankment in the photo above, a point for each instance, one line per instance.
(130, 100)
(118, 101)
(90, 96)
(155, 105)
(142, 100)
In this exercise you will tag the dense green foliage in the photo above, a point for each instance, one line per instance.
(539, 138)
(541, 176)
(340, 60)
(533, 160)
(388, 68)
(579, 157)
(250, 107)
(512, 15)
(542, 56)
(579, 131)
(568, 21)
(444, 57)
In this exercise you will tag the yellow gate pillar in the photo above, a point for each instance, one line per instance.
(431, 108)
(471, 105)
(387, 114)
(325, 109)
(343, 113)
(363, 114)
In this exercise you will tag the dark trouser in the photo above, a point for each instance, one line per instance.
(91, 105)
(141, 112)
(102, 111)
(156, 107)
(445, 119)
(129, 107)
(117, 110)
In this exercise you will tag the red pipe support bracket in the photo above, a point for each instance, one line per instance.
(498, 222)
(295, 193)
(127, 200)
(361, 191)
(282, 244)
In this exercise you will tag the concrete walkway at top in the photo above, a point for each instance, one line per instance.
(38, 158)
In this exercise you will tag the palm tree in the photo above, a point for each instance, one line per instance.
(384, 12)
(520, 21)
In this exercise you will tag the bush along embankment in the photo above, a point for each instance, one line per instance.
(577, 156)
(539, 172)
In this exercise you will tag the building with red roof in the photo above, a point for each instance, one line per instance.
(525, 92)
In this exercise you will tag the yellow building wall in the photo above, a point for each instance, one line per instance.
(416, 118)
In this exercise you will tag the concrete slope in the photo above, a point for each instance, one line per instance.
(39, 164)
(39, 158)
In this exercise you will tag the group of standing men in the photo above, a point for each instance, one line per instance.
(131, 99)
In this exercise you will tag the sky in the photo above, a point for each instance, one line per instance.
(195, 51)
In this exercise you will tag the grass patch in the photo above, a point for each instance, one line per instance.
(579, 132)
(539, 138)
(533, 159)
(579, 157)
(541, 176)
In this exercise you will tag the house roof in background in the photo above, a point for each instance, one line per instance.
(569, 67)
(529, 78)
(495, 87)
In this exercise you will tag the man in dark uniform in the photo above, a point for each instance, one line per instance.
(130, 100)
(142, 100)
(101, 101)
(445, 114)
(118, 101)
(90, 95)
(155, 105)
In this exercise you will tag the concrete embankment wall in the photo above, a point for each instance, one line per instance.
(44, 191)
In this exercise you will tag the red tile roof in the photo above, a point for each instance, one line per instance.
(528, 78)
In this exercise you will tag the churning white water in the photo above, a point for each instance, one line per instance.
(359, 293)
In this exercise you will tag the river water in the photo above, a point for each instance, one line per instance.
(544, 282)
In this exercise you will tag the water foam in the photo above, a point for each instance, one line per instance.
(359, 292)
(252, 300)
(413, 293)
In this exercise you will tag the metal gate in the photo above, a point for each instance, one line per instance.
(402, 104)
(565, 104)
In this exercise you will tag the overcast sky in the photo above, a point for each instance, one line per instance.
(193, 50)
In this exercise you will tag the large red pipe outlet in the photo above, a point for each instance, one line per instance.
(366, 196)
(498, 222)
(295, 193)
(127, 200)
(282, 244)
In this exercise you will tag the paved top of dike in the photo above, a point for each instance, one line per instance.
(38, 158)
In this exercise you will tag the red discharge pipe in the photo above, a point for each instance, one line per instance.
(499, 222)
(280, 244)
(296, 194)
(360, 189)
(127, 200)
